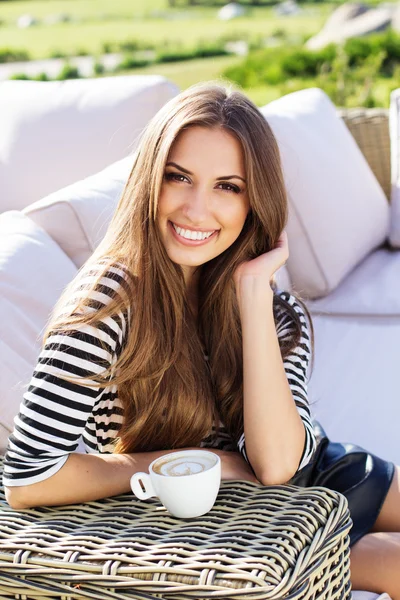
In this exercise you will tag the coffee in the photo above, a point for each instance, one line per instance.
(180, 466)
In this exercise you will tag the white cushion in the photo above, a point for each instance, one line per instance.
(70, 129)
(353, 389)
(33, 273)
(372, 288)
(77, 216)
(338, 212)
(394, 131)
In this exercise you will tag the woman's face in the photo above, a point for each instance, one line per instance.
(203, 202)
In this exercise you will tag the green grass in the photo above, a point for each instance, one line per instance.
(124, 21)
(80, 8)
(187, 73)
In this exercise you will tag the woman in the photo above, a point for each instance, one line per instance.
(174, 335)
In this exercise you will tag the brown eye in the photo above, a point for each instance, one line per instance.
(231, 188)
(174, 177)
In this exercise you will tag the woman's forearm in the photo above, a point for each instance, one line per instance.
(87, 477)
(274, 431)
(82, 478)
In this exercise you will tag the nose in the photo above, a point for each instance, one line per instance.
(196, 208)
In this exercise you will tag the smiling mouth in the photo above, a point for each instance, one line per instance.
(190, 237)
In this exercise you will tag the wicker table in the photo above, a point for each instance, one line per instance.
(257, 542)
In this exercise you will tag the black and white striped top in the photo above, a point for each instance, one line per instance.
(55, 415)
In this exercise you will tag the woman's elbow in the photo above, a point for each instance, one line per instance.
(277, 476)
(16, 497)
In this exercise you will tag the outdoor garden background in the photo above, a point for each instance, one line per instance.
(263, 50)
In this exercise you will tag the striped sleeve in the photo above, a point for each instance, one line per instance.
(53, 412)
(296, 365)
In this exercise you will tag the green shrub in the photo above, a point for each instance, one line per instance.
(250, 71)
(42, 77)
(134, 46)
(256, 42)
(8, 55)
(130, 62)
(164, 56)
(241, 75)
(68, 72)
(273, 74)
(275, 65)
(22, 76)
(391, 45)
(361, 49)
(305, 63)
(108, 47)
(58, 54)
(204, 51)
(358, 49)
(279, 33)
(300, 63)
(347, 73)
(98, 68)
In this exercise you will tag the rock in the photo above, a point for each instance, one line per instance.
(370, 21)
(344, 13)
(396, 18)
(239, 47)
(230, 11)
(287, 7)
(26, 21)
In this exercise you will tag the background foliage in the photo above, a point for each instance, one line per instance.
(185, 41)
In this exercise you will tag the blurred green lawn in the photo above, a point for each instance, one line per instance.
(104, 21)
(187, 73)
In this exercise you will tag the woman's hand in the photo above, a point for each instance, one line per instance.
(260, 270)
(234, 466)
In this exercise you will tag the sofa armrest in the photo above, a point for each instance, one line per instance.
(370, 129)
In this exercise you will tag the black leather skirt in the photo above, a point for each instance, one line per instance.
(357, 474)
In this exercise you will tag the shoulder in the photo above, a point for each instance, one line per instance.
(108, 278)
(102, 282)
(98, 285)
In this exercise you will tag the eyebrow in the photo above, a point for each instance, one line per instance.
(190, 173)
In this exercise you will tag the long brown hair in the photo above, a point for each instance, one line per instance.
(171, 396)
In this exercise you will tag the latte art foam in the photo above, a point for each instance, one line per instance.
(183, 465)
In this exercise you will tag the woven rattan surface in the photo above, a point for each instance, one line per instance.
(257, 542)
(370, 129)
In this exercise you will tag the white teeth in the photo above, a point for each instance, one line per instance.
(192, 235)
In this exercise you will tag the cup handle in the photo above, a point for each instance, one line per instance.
(148, 491)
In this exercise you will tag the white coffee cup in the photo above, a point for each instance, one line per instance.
(186, 482)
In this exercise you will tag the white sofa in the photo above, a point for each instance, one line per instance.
(339, 226)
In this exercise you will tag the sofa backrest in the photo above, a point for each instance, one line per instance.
(338, 212)
(69, 130)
